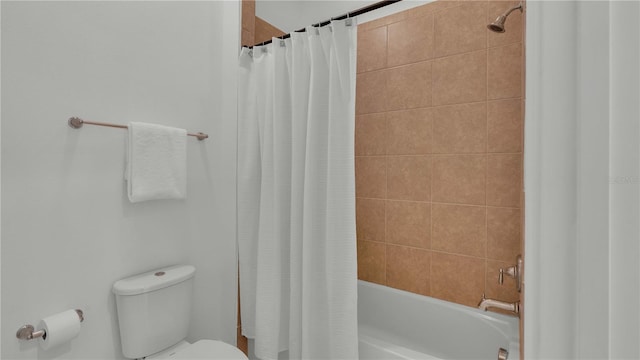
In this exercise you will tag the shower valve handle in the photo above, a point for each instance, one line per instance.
(511, 271)
(514, 271)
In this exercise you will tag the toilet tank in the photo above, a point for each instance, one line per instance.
(154, 309)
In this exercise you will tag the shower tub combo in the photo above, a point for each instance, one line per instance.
(399, 325)
(395, 324)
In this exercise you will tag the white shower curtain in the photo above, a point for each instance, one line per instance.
(296, 195)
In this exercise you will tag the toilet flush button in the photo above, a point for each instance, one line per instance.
(159, 273)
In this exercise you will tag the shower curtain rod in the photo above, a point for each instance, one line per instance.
(366, 9)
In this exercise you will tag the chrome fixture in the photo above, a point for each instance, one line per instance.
(76, 123)
(514, 271)
(486, 304)
(498, 24)
(503, 354)
(28, 332)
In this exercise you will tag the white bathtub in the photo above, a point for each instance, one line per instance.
(395, 324)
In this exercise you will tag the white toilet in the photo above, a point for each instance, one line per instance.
(154, 310)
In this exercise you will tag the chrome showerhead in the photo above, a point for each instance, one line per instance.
(498, 24)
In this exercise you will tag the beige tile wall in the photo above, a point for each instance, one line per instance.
(255, 29)
(265, 31)
(439, 150)
(248, 22)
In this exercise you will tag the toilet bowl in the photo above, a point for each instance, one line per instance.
(154, 309)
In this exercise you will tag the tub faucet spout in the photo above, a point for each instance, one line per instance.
(486, 304)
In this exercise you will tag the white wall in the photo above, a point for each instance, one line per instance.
(582, 180)
(293, 15)
(289, 15)
(68, 229)
(550, 181)
(624, 234)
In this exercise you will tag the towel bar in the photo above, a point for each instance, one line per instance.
(76, 123)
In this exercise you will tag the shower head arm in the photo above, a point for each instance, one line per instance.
(517, 7)
(498, 24)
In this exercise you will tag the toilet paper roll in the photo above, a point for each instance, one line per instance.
(59, 328)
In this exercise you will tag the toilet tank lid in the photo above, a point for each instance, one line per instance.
(153, 280)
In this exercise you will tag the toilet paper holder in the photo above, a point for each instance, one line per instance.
(27, 332)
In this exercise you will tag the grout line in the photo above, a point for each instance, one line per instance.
(432, 120)
(433, 50)
(486, 176)
(384, 205)
(441, 105)
(485, 48)
(432, 251)
(431, 197)
(430, 238)
(430, 291)
(439, 155)
(386, 194)
(439, 252)
(486, 278)
(486, 165)
(440, 203)
(434, 58)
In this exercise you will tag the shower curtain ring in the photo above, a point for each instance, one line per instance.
(349, 20)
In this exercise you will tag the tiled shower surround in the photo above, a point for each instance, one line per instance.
(438, 148)
(439, 124)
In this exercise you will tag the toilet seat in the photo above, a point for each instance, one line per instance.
(205, 349)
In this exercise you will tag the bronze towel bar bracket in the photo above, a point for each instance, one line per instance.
(76, 123)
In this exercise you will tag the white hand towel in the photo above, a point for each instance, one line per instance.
(156, 162)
